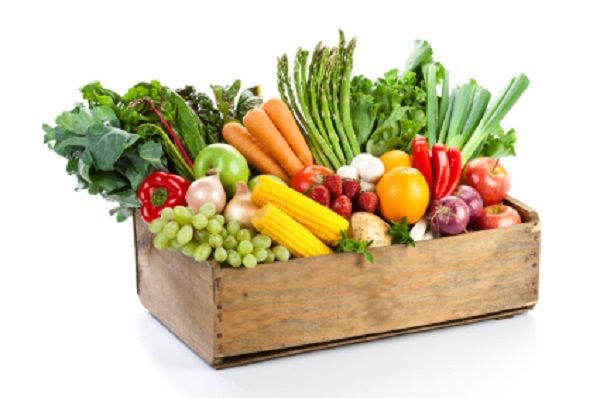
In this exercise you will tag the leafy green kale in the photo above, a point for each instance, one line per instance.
(106, 159)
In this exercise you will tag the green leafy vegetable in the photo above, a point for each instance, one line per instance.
(400, 232)
(348, 245)
(227, 108)
(106, 159)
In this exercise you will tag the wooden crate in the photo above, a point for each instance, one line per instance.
(232, 316)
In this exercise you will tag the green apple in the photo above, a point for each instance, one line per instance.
(225, 159)
(254, 180)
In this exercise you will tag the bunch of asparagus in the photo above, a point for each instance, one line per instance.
(320, 100)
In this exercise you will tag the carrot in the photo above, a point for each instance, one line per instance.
(237, 136)
(264, 131)
(282, 117)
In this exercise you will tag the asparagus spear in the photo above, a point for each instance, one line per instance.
(345, 98)
(324, 76)
(313, 132)
(286, 93)
(337, 60)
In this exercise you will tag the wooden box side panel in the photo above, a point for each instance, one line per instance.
(178, 291)
(307, 301)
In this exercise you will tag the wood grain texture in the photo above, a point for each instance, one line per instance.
(338, 296)
(178, 291)
(228, 362)
(236, 316)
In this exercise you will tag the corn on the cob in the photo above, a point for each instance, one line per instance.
(283, 229)
(318, 219)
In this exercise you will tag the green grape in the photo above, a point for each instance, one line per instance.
(176, 244)
(214, 227)
(281, 253)
(157, 225)
(215, 240)
(161, 241)
(233, 227)
(223, 233)
(201, 236)
(209, 209)
(245, 247)
(171, 229)
(243, 234)
(202, 252)
(220, 254)
(185, 234)
(260, 253)
(262, 241)
(172, 248)
(182, 215)
(249, 261)
(229, 242)
(270, 256)
(189, 248)
(233, 258)
(199, 221)
(166, 213)
(220, 219)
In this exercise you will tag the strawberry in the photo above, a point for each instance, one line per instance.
(320, 194)
(342, 205)
(368, 201)
(333, 182)
(350, 188)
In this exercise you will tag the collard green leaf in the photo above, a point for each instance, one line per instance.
(106, 144)
(106, 159)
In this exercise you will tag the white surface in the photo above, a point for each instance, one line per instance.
(72, 325)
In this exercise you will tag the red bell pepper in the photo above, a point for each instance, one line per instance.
(455, 161)
(160, 190)
(441, 170)
(422, 160)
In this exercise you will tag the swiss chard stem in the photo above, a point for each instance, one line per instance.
(170, 130)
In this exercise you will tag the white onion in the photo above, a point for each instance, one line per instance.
(204, 190)
(241, 208)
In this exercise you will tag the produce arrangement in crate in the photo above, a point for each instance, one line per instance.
(384, 169)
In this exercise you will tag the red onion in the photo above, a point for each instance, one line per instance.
(449, 215)
(472, 198)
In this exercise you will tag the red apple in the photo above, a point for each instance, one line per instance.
(497, 216)
(489, 178)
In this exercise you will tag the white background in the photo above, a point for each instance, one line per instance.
(71, 323)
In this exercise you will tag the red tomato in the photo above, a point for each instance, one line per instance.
(309, 176)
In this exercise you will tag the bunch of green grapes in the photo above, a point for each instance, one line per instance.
(206, 236)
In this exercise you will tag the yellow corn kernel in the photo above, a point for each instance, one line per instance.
(283, 229)
(318, 219)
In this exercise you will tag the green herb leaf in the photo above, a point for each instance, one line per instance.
(348, 245)
(400, 232)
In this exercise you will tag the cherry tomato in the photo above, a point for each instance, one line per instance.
(309, 176)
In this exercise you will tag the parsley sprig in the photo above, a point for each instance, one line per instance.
(349, 245)
(400, 232)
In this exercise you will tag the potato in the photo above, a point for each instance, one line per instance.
(367, 226)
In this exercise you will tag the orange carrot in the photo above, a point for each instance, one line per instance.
(237, 136)
(264, 131)
(283, 119)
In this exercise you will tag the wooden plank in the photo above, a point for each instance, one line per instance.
(228, 362)
(320, 299)
(178, 291)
